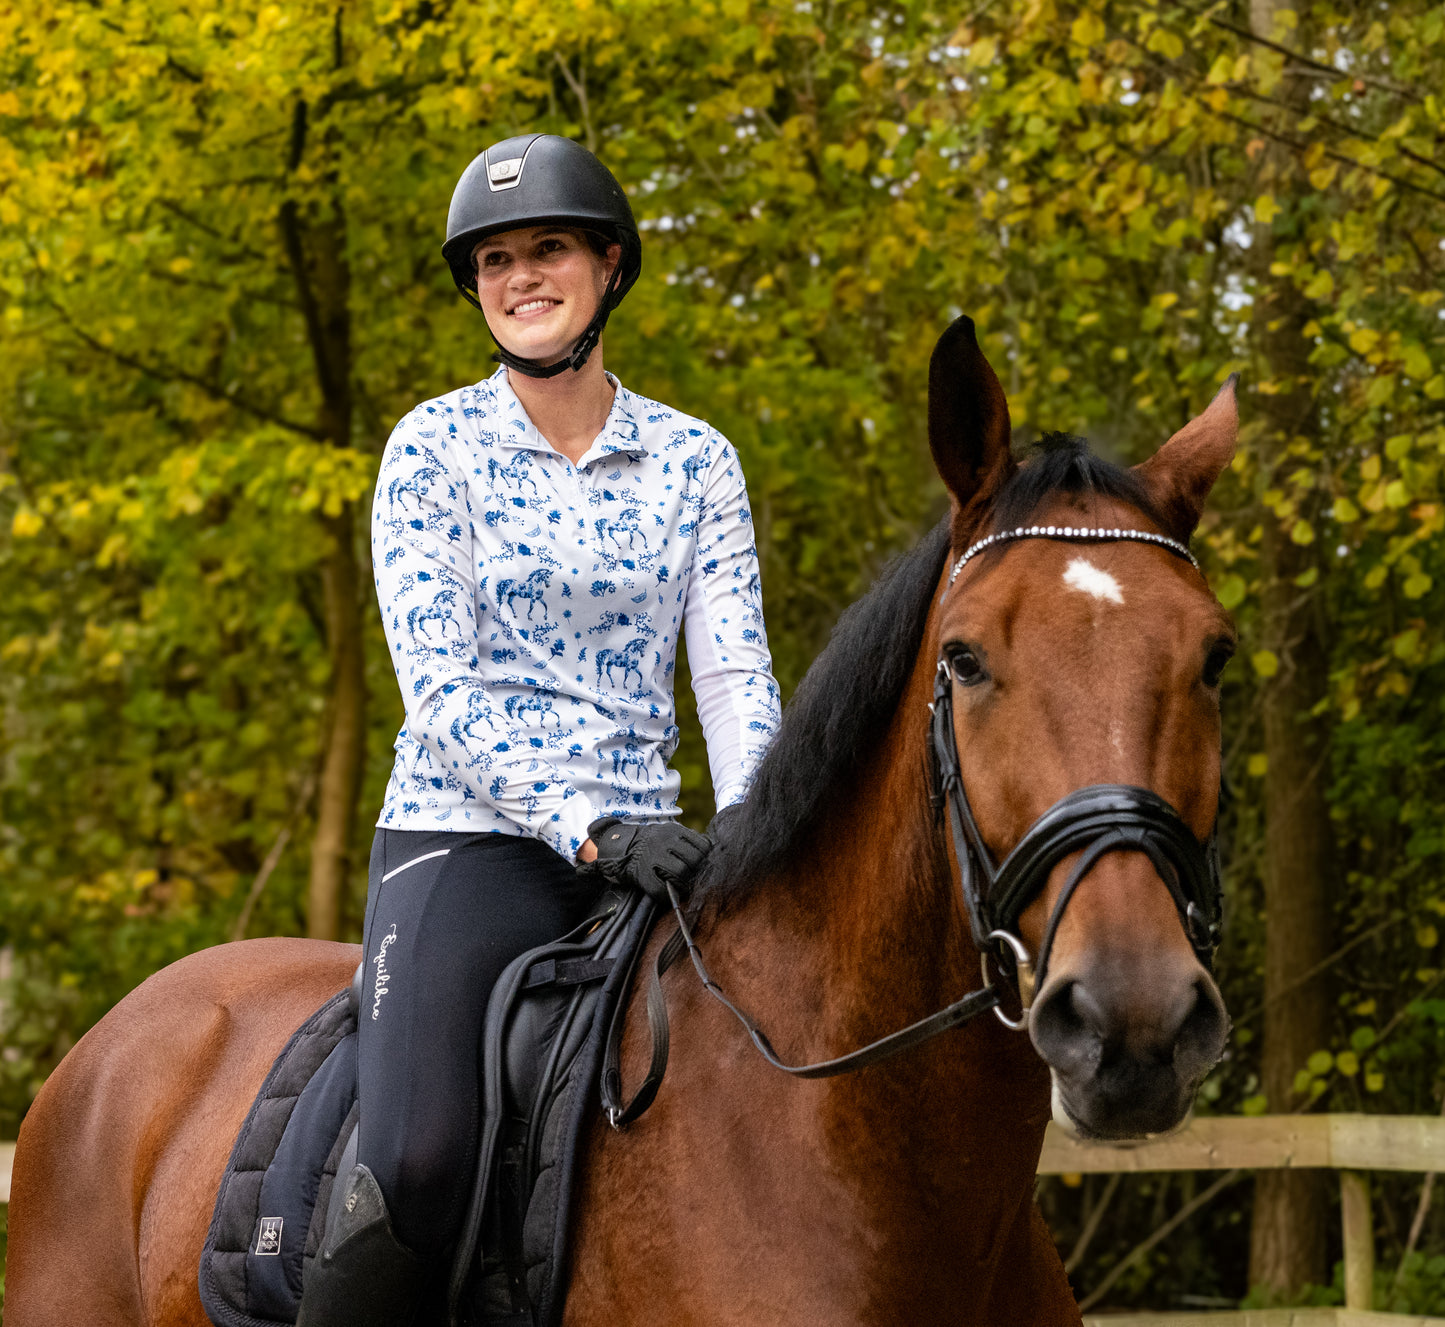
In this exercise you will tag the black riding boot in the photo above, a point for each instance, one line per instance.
(361, 1277)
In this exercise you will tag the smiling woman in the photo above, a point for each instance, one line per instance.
(540, 288)
(541, 539)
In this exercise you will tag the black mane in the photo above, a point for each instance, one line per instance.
(833, 722)
(848, 696)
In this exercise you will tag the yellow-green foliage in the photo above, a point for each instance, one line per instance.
(822, 185)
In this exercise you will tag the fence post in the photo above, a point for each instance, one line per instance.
(1359, 1241)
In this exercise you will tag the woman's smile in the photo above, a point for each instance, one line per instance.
(533, 306)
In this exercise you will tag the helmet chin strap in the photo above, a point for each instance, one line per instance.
(581, 349)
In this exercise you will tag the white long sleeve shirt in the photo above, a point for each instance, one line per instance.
(533, 607)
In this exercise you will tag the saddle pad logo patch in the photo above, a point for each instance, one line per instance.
(268, 1239)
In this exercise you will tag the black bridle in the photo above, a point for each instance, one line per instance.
(1099, 819)
(1094, 821)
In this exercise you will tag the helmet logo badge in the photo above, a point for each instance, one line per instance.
(505, 174)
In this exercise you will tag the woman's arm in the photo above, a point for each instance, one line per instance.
(727, 646)
(426, 583)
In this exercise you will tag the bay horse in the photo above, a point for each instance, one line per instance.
(901, 1194)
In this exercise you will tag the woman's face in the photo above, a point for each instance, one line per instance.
(539, 288)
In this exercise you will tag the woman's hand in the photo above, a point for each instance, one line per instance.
(649, 856)
(587, 852)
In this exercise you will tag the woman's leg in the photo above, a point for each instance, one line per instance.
(445, 914)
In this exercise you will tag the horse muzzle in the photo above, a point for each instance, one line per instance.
(1128, 1044)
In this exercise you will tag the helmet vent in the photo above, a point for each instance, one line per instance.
(505, 174)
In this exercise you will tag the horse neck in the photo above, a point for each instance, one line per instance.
(865, 934)
(864, 937)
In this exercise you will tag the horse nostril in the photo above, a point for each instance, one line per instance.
(1067, 1026)
(1199, 1041)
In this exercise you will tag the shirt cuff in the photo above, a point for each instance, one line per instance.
(566, 829)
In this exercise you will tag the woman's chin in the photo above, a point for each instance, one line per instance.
(545, 345)
(543, 351)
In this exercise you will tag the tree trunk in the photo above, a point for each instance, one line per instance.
(316, 253)
(345, 751)
(1292, 1209)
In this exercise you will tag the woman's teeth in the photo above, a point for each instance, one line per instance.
(532, 305)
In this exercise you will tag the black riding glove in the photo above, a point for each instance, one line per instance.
(648, 857)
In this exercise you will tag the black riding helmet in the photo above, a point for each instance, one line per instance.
(537, 180)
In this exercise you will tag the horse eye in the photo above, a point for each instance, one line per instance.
(964, 664)
(1219, 655)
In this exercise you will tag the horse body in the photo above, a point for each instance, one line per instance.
(901, 1193)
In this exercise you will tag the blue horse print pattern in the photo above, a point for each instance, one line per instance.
(533, 610)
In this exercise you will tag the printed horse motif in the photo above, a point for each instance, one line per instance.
(518, 706)
(440, 611)
(514, 472)
(629, 658)
(630, 757)
(831, 911)
(626, 522)
(478, 708)
(418, 484)
(531, 589)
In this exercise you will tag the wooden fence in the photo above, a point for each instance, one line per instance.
(1352, 1144)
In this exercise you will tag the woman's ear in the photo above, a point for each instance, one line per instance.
(609, 263)
(968, 425)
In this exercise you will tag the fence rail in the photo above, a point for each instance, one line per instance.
(1264, 1318)
(1265, 1142)
(1351, 1144)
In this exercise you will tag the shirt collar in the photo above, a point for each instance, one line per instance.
(620, 433)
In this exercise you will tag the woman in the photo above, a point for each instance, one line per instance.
(540, 540)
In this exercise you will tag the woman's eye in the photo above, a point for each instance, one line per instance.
(964, 664)
(1214, 664)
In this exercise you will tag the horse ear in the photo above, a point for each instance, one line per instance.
(968, 423)
(1181, 473)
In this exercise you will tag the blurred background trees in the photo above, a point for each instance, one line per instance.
(220, 285)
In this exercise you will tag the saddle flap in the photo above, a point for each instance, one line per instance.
(541, 1055)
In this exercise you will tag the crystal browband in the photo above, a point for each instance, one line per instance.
(1070, 532)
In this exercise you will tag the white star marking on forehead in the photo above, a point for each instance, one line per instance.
(1084, 575)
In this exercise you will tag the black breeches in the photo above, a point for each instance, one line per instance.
(445, 913)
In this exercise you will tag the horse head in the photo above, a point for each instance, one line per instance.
(1074, 662)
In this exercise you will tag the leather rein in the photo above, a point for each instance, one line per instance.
(1095, 821)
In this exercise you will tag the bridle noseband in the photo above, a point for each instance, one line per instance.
(1099, 819)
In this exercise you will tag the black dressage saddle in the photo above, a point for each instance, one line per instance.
(546, 1025)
